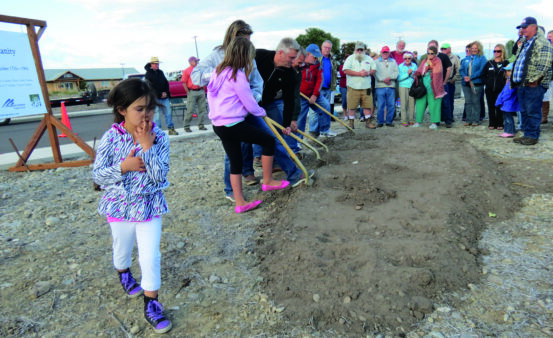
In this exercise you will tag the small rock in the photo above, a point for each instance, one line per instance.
(316, 297)
(215, 279)
(52, 220)
(347, 300)
(135, 329)
(443, 309)
(39, 289)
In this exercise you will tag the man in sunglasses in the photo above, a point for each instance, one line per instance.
(531, 76)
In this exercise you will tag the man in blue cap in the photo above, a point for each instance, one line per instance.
(531, 76)
(311, 82)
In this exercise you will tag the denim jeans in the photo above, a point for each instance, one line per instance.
(386, 99)
(530, 99)
(166, 110)
(472, 100)
(451, 94)
(447, 111)
(247, 166)
(274, 112)
(344, 96)
(281, 155)
(327, 94)
(509, 122)
(319, 121)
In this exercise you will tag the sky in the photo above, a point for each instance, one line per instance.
(127, 33)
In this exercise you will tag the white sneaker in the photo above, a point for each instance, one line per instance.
(433, 126)
(329, 134)
(416, 125)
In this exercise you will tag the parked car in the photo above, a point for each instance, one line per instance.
(176, 89)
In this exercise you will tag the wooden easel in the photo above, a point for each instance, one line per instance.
(49, 121)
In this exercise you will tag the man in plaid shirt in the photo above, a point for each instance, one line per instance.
(531, 75)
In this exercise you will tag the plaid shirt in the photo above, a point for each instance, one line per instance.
(538, 66)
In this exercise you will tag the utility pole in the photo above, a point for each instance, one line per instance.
(196, 44)
(122, 71)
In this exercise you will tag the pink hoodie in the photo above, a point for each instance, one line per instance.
(230, 101)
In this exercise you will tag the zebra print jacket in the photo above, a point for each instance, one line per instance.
(133, 196)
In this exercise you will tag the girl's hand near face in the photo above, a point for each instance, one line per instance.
(144, 135)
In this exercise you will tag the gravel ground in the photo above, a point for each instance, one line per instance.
(57, 278)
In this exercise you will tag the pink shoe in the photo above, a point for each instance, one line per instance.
(283, 184)
(243, 208)
(506, 135)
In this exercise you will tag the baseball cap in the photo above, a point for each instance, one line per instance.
(527, 21)
(193, 58)
(314, 49)
(359, 45)
(446, 45)
(385, 49)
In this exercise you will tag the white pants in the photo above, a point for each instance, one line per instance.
(148, 236)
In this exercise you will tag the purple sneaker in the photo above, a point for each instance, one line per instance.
(154, 315)
(131, 287)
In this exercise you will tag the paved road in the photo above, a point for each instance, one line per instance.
(87, 124)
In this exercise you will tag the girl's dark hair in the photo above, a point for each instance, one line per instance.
(128, 91)
(238, 55)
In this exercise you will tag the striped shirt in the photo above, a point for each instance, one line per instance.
(133, 196)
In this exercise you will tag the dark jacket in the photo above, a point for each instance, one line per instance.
(493, 75)
(158, 80)
(278, 82)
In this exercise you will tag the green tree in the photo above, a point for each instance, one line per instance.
(318, 36)
(348, 48)
(509, 47)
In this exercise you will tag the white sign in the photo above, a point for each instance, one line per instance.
(20, 92)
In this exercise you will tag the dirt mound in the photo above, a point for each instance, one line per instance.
(383, 231)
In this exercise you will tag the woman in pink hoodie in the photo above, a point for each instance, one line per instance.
(230, 101)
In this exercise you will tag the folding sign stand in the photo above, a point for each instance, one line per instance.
(49, 121)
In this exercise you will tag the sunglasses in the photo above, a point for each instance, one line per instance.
(359, 50)
(431, 53)
(497, 51)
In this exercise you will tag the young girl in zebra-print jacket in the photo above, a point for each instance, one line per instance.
(131, 167)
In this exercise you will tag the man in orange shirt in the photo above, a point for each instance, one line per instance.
(195, 98)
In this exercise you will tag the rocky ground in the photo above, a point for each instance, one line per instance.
(404, 232)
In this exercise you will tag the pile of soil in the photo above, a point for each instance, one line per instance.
(391, 222)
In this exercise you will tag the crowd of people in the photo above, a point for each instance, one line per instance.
(293, 86)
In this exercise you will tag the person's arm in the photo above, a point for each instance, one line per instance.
(156, 159)
(244, 93)
(349, 71)
(107, 169)
(318, 84)
(378, 74)
(395, 71)
(184, 80)
(478, 67)
(545, 59)
(402, 73)
(202, 72)
(256, 83)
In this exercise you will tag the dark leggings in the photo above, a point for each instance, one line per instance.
(243, 132)
(494, 113)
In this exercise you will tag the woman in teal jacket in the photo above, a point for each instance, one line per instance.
(471, 72)
(405, 79)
